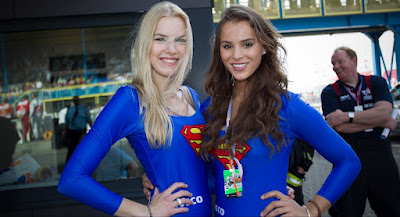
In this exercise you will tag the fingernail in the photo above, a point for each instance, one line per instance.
(262, 196)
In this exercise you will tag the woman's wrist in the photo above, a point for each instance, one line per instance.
(317, 208)
(308, 211)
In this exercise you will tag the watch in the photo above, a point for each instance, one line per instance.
(351, 117)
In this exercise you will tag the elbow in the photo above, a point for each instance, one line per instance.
(62, 188)
(356, 168)
(67, 183)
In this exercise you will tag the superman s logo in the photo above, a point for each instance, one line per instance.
(192, 134)
(222, 153)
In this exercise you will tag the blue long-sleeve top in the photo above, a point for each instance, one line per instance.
(262, 173)
(179, 162)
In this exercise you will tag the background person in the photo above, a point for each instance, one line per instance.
(116, 165)
(76, 120)
(61, 128)
(252, 121)
(300, 161)
(358, 107)
(6, 109)
(22, 112)
(159, 117)
(36, 116)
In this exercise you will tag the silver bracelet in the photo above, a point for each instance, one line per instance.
(305, 207)
(148, 207)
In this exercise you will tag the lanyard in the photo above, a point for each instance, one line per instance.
(357, 97)
(228, 120)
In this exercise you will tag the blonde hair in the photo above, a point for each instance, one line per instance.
(157, 123)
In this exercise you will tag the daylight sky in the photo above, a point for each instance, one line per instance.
(309, 65)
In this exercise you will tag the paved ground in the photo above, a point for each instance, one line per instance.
(321, 169)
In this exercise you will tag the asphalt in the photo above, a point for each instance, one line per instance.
(321, 168)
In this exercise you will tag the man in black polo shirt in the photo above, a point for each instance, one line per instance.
(358, 108)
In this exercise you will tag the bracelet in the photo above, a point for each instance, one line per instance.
(148, 207)
(316, 205)
(308, 212)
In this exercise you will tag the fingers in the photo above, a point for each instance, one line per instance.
(147, 186)
(281, 199)
(277, 212)
(170, 201)
(175, 186)
(146, 182)
(285, 207)
(275, 193)
(290, 192)
(181, 202)
(273, 209)
(156, 191)
(181, 193)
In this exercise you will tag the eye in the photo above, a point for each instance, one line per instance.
(181, 40)
(226, 46)
(248, 44)
(160, 39)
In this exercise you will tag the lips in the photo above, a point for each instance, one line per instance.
(169, 61)
(239, 66)
(338, 71)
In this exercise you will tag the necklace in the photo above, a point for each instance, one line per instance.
(177, 112)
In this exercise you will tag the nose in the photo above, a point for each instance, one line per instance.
(237, 53)
(171, 47)
(335, 66)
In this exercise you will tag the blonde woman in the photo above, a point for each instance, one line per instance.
(160, 118)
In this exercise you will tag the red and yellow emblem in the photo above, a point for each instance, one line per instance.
(222, 153)
(192, 134)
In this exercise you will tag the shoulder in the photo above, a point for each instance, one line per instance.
(290, 96)
(330, 87)
(189, 90)
(329, 91)
(205, 104)
(289, 100)
(128, 92)
(377, 79)
(128, 89)
(191, 94)
(294, 108)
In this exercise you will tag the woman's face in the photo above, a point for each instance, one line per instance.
(168, 46)
(241, 52)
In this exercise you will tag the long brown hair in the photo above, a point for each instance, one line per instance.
(258, 114)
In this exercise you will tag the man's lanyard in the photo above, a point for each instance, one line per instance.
(356, 97)
(228, 120)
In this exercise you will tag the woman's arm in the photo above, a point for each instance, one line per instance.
(112, 124)
(307, 124)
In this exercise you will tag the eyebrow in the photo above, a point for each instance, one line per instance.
(242, 41)
(162, 35)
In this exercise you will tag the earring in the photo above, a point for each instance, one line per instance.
(264, 52)
(233, 81)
